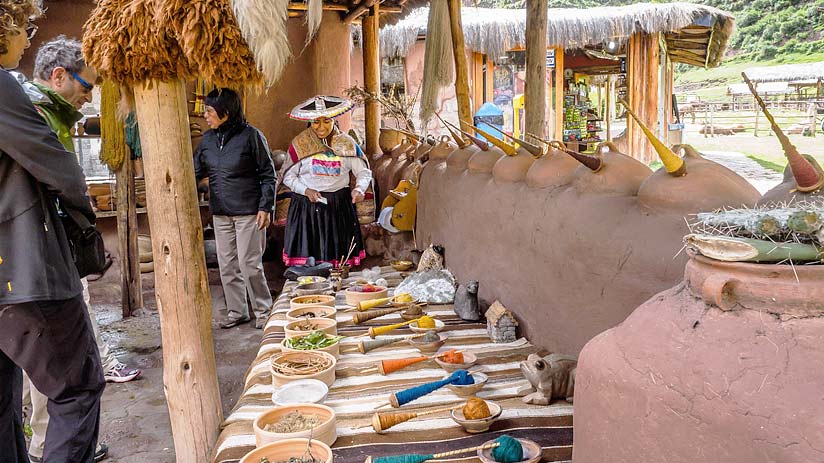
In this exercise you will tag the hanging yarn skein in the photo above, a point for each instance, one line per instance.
(506, 449)
(401, 398)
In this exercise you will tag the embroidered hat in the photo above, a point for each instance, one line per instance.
(321, 106)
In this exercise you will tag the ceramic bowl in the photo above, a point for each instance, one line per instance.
(301, 391)
(532, 452)
(353, 297)
(395, 303)
(439, 325)
(325, 432)
(309, 301)
(327, 376)
(476, 426)
(469, 360)
(319, 311)
(310, 279)
(334, 349)
(401, 265)
(428, 347)
(472, 389)
(285, 449)
(298, 327)
(313, 289)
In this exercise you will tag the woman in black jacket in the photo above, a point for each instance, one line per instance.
(235, 157)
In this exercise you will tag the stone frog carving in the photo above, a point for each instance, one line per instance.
(552, 376)
(466, 302)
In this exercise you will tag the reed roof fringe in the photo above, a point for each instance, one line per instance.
(493, 31)
(787, 72)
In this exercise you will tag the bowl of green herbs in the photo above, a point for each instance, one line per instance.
(316, 340)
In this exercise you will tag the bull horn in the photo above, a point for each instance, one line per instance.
(808, 175)
(593, 163)
(535, 150)
(507, 148)
(461, 141)
(477, 141)
(674, 165)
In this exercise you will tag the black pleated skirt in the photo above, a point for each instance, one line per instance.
(322, 231)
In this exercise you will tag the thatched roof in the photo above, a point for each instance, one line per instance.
(695, 34)
(132, 41)
(787, 72)
(766, 88)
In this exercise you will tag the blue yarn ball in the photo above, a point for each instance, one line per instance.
(510, 450)
(462, 378)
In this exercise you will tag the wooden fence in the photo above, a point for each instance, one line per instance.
(725, 117)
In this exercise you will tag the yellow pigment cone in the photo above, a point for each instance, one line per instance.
(507, 148)
(673, 163)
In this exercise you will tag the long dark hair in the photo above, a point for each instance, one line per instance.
(226, 101)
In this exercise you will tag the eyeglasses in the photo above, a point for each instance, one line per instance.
(31, 30)
(82, 82)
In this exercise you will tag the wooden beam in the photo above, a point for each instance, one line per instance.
(461, 67)
(358, 11)
(181, 285)
(559, 93)
(326, 6)
(372, 78)
(535, 86)
(131, 297)
(477, 81)
(686, 45)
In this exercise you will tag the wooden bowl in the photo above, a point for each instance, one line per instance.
(325, 432)
(295, 328)
(313, 289)
(327, 375)
(353, 297)
(401, 265)
(320, 311)
(310, 301)
(334, 349)
(476, 426)
(439, 325)
(428, 348)
(300, 391)
(472, 389)
(532, 452)
(469, 360)
(288, 448)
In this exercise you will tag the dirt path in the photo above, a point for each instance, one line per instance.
(761, 178)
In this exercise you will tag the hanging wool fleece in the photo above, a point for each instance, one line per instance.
(438, 61)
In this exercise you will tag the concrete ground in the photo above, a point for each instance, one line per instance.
(134, 417)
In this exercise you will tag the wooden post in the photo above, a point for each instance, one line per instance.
(755, 108)
(461, 68)
(131, 289)
(559, 93)
(181, 285)
(372, 78)
(642, 79)
(478, 90)
(535, 85)
(712, 119)
(608, 110)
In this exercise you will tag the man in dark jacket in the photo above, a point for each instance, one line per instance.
(44, 327)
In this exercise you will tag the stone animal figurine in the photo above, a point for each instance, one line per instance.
(466, 302)
(432, 259)
(552, 376)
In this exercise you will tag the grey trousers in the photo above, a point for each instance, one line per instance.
(240, 256)
(53, 342)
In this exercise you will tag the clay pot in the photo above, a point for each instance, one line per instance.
(706, 186)
(324, 432)
(389, 139)
(285, 449)
(553, 170)
(719, 368)
(483, 161)
(510, 169)
(442, 149)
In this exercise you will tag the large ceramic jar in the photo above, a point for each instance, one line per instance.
(728, 366)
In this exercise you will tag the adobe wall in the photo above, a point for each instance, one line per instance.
(569, 251)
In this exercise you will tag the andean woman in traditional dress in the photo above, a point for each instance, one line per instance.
(322, 222)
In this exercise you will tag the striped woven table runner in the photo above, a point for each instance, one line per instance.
(354, 394)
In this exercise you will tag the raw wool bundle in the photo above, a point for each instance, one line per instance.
(314, 14)
(263, 25)
(438, 58)
(112, 132)
(122, 40)
(211, 41)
